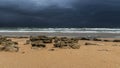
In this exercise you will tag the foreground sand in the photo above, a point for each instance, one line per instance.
(106, 56)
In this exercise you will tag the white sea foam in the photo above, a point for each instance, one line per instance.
(63, 30)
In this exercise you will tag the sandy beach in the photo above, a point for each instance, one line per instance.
(59, 33)
(92, 56)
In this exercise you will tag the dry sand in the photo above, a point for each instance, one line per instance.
(105, 56)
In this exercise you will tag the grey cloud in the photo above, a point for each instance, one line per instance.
(59, 13)
(36, 4)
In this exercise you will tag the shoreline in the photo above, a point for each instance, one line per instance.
(27, 34)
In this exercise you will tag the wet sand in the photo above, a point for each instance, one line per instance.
(26, 34)
(92, 56)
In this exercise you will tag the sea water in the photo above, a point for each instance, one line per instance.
(63, 30)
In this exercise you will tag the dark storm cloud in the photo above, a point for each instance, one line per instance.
(60, 13)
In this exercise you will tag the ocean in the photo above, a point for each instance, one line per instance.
(70, 32)
(62, 30)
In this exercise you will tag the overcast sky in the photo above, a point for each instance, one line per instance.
(59, 13)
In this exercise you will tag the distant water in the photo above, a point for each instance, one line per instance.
(63, 30)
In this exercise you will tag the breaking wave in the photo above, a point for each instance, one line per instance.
(63, 30)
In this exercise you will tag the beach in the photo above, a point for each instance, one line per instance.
(102, 55)
(59, 33)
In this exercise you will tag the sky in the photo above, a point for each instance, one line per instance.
(60, 13)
